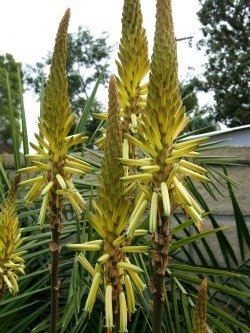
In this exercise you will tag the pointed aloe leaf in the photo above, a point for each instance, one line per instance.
(228, 318)
(13, 124)
(25, 294)
(87, 109)
(4, 176)
(217, 324)
(16, 309)
(176, 314)
(242, 229)
(193, 238)
(213, 285)
(23, 118)
(203, 270)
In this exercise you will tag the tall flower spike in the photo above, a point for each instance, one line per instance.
(200, 325)
(115, 219)
(110, 187)
(133, 64)
(161, 123)
(53, 163)
(11, 262)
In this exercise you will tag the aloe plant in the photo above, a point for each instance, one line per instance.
(51, 160)
(147, 170)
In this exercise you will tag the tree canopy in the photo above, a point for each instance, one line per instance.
(201, 119)
(10, 66)
(87, 58)
(226, 30)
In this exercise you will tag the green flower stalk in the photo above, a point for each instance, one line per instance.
(11, 261)
(115, 218)
(168, 161)
(52, 163)
(133, 65)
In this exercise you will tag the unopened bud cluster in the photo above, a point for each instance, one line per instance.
(11, 261)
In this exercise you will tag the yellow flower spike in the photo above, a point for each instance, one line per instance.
(133, 62)
(108, 306)
(54, 140)
(123, 313)
(157, 130)
(11, 260)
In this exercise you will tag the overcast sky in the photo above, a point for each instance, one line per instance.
(28, 30)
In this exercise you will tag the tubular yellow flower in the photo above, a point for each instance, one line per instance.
(123, 313)
(11, 261)
(130, 295)
(93, 292)
(108, 306)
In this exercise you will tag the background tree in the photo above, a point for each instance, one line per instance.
(201, 119)
(226, 30)
(86, 60)
(8, 63)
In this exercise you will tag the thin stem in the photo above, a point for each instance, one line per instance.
(160, 263)
(55, 222)
(158, 300)
(1, 288)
